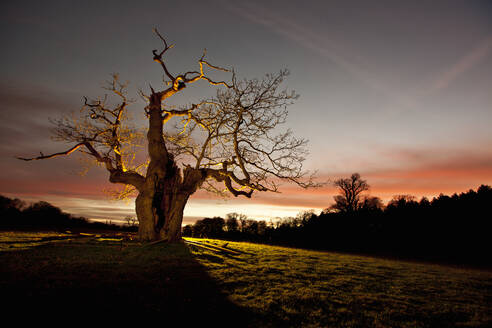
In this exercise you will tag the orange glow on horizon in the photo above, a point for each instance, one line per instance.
(84, 196)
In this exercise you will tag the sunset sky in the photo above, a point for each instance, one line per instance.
(399, 91)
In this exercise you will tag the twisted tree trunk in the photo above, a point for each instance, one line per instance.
(165, 192)
(161, 202)
(160, 214)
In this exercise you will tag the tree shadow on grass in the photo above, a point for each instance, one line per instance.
(95, 282)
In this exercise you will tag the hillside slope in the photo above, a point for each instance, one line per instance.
(231, 284)
(304, 288)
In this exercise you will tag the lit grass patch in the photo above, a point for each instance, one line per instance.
(294, 287)
(14, 240)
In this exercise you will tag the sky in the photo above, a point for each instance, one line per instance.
(398, 91)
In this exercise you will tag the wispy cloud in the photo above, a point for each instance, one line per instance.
(322, 44)
(430, 171)
(464, 64)
(420, 172)
(24, 115)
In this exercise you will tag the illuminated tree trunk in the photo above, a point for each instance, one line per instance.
(159, 210)
(161, 202)
(163, 196)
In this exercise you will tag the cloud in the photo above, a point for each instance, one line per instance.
(322, 44)
(430, 171)
(469, 60)
(417, 171)
(24, 115)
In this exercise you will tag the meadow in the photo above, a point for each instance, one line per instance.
(233, 283)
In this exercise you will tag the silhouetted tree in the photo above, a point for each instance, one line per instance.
(402, 202)
(42, 211)
(350, 189)
(261, 228)
(371, 204)
(232, 139)
(10, 210)
(188, 230)
(233, 221)
(303, 217)
(9, 203)
(209, 227)
(251, 227)
(45, 215)
(131, 221)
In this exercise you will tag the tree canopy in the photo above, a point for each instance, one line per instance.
(350, 190)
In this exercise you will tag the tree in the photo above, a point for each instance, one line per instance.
(43, 213)
(209, 227)
(371, 204)
(9, 204)
(131, 221)
(350, 190)
(10, 210)
(402, 202)
(232, 223)
(229, 139)
(250, 227)
(188, 230)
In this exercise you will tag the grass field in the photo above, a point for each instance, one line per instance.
(235, 284)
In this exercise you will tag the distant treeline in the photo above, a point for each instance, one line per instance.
(17, 214)
(454, 229)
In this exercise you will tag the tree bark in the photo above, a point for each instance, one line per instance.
(163, 197)
(161, 202)
(158, 223)
(159, 208)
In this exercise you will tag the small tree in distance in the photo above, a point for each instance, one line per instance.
(131, 221)
(233, 221)
(231, 140)
(350, 189)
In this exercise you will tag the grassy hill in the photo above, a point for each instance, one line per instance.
(233, 284)
(308, 288)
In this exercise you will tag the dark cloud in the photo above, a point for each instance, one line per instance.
(25, 111)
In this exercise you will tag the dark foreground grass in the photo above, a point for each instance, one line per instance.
(237, 285)
(103, 279)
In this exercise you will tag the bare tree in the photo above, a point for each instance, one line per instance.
(131, 221)
(231, 140)
(234, 220)
(350, 190)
